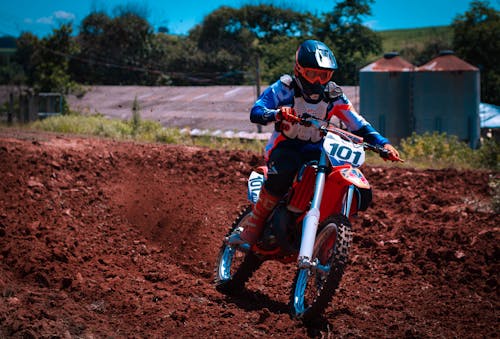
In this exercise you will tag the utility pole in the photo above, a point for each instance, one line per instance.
(255, 48)
(257, 82)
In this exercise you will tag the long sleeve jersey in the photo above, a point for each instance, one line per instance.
(334, 106)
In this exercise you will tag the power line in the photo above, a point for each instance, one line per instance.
(8, 25)
(199, 77)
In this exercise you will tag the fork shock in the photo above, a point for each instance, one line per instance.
(346, 206)
(311, 220)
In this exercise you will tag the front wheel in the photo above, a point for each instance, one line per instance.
(313, 288)
(234, 267)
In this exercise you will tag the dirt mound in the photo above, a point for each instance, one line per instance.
(118, 239)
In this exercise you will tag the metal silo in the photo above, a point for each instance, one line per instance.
(385, 89)
(446, 98)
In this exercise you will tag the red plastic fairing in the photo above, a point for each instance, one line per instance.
(336, 184)
(302, 191)
(333, 194)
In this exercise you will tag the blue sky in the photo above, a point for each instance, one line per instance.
(40, 17)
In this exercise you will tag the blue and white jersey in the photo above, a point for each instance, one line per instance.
(339, 108)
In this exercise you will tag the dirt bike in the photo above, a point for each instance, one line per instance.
(310, 225)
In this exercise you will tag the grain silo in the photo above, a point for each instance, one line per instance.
(446, 98)
(385, 89)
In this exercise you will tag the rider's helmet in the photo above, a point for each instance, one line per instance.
(314, 66)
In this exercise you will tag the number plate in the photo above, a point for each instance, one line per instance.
(342, 152)
(255, 183)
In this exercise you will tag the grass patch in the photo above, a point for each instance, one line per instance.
(139, 130)
(399, 39)
(435, 150)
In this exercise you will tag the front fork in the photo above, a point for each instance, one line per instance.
(311, 220)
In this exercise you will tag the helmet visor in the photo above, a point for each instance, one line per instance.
(313, 75)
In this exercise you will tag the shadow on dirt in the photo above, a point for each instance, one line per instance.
(256, 301)
(321, 327)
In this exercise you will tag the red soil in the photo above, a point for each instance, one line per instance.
(118, 239)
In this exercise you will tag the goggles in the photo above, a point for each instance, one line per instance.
(313, 75)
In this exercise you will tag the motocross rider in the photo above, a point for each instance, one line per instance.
(291, 145)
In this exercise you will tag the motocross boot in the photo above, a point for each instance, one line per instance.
(253, 222)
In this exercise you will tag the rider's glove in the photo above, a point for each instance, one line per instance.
(288, 114)
(392, 153)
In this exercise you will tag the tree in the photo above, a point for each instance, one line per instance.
(45, 62)
(91, 64)
(52, 71)
(278, 57)
(351, 41)
(268, 22)
(419, 54)
(28, 46)
(223, 41)
(476, 40)
(119, 50)
(224, 49)
(230, 40)
(12, 74)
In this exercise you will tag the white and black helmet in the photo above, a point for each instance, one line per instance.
(314, 67)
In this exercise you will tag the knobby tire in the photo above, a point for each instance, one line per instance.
(243, 272)
(324, 287)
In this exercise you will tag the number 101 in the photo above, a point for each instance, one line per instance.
(345, 153)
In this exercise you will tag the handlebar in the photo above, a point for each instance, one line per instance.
(384, 153)
(309, 120)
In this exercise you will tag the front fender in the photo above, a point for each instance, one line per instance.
(353, 176)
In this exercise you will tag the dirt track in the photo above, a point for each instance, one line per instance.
(118, 239)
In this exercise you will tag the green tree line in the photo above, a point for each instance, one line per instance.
(232, 46)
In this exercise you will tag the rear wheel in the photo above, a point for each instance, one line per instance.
(234, 267)
(313, 288)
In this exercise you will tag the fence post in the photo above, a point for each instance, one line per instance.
(10, 111)
(25, 108)
(19, 114)
(33, 107)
